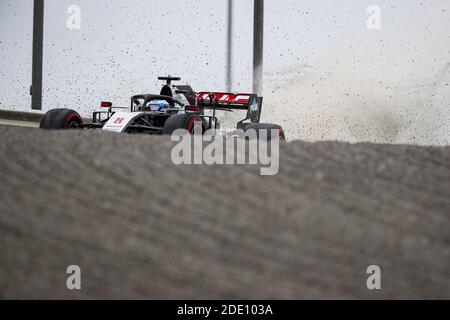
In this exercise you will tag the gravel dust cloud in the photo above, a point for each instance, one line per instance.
(351, 99)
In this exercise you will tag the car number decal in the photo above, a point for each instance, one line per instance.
(119, 121)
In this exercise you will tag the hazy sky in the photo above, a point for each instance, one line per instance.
(122, 46)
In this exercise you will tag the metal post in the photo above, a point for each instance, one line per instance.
(38, 38)
(258, 46)
(229, 46)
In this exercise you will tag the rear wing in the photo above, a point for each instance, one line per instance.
(241, 101)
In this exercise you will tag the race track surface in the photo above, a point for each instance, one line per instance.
(141, 227)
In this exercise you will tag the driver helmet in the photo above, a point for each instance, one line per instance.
(157, 105)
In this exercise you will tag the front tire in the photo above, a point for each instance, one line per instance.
(61, 119)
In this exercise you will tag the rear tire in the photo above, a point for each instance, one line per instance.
(182, 121)
(266, 126)
(61, 119)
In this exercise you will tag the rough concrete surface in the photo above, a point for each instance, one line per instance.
(141, 227)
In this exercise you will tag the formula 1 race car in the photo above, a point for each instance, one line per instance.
(176, 107)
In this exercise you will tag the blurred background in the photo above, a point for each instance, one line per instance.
(327, 74)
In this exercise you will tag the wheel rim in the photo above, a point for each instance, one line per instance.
(73, 121)
(73, 125)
